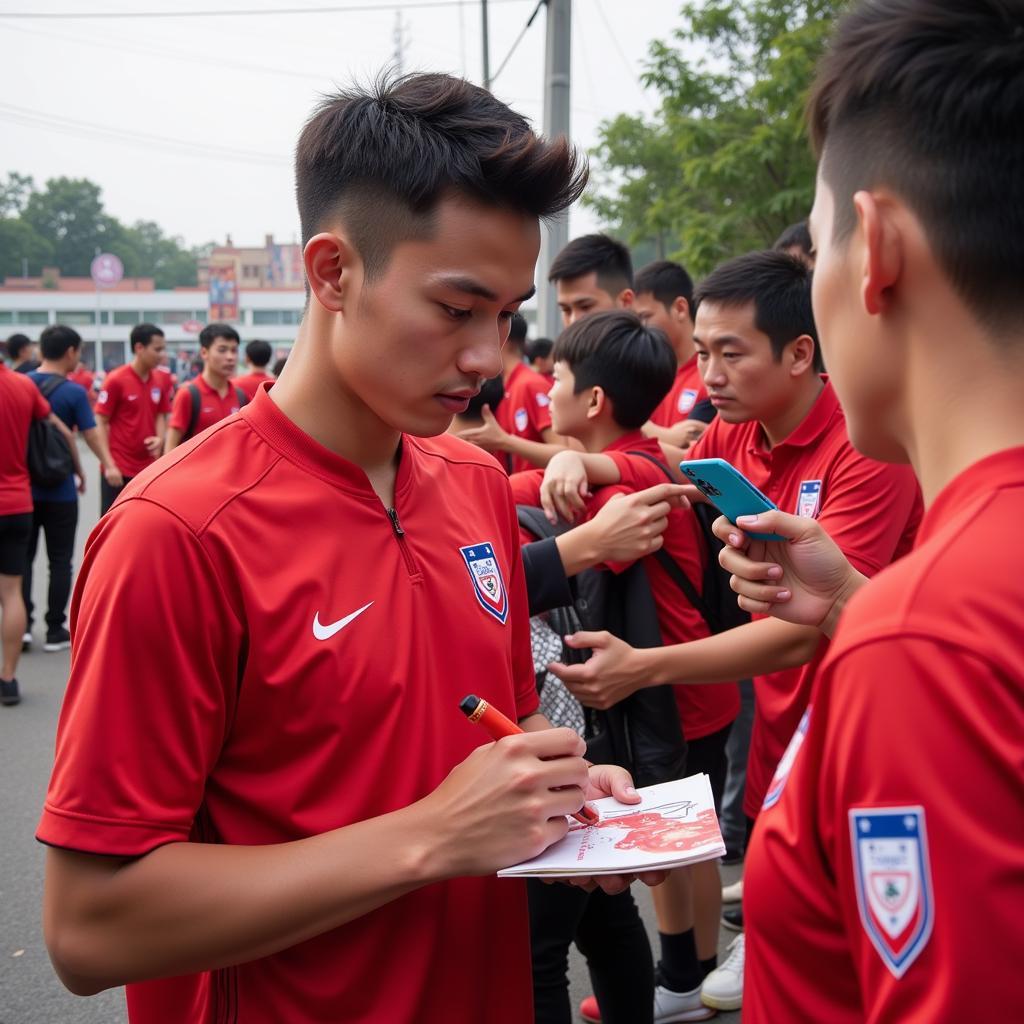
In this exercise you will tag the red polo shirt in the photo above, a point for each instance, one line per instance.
(259, 715)
(20, 404)
(212, 406)
(893, 852)
(525, 411)
(870, 509)
(86, 378)
(132, 406)
(250, 382)
(687, 390)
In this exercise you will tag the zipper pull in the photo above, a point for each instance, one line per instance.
(395, 524)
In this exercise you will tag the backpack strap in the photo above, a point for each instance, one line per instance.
(243, 398)
(50, 385)
(657, 462)
(197, 402)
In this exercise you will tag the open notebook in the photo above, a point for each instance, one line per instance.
(674, 824)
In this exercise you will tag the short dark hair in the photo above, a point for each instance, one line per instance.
(259, 352)
(491, 394)
(382, 159)
(924, 97)
(538, 348)
(779, 286)
(666, 281)
(57, 339)
(598, 254)
(16, 344)
(615, 350)
(517, 330)
(279, 366)
(211, 332)
(796, 236)
(143, 334)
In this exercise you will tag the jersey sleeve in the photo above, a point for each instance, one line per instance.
(181, 411)
(151, 692)
(523, 677)
(40, 406)
(166, 394)
(82, 410)
(109, 397)
(538, 405)
(526, 486)
(920, 814)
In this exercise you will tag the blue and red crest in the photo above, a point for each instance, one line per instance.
(894, 885)
(778, 783)
(488, 585)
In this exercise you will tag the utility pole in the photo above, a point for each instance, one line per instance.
(399, 39)
(557, 79)
(486, 44)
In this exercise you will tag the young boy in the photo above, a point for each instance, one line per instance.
(885, 882)
(539, 358)
(272, 804)
(610, 372)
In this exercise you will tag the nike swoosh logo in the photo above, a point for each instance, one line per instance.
(322, 632)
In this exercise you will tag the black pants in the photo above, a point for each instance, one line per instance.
(108, 494)
(57, 520)
(610, 934)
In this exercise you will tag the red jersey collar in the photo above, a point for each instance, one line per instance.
(264, 416)
(632, 439)
(812, 427)
(201, 383)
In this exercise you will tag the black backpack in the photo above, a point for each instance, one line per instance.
(197, 401)
(48, 456)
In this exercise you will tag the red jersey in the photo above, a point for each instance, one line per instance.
(703, 709)
(686, 392)
(86, 378)
(132, 406)
(525, 411)
(251, 382)
(212, 407)
(305, 685)
(894, 849)
(870, 509)
(20, 403)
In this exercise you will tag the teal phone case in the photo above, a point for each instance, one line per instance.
(729, 491)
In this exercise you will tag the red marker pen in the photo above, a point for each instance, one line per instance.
(477, 710)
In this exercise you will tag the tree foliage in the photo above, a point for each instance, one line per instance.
(725, 164)
(65, 223)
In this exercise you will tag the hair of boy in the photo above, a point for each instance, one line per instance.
(279, 366)
(778, 285)
(491, 394)
(143, 334)
(796, 236)
(16, 344)
(924, 97)
(380, 160)
(538, 348)
(211, 332)
(597, 254)
(633, 364)
(666, 281)
(259, 352)
(517, 330)
(56, 340)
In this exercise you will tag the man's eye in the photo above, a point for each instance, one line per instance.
(455, 313)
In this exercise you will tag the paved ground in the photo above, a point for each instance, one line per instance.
(29, 990)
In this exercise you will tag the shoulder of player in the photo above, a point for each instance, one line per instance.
(458, 455)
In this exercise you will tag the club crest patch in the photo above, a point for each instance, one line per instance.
(154, 393)
(810, 499)
(542, 400)
(488, 585)
(778, 783)
(687, 400)
(893, 878)
(521, 420)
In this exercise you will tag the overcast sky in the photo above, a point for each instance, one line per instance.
(191, 122)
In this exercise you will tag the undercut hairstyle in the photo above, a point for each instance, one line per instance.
(517, 330)
(538, 348)
(259, 352)
(598, 254)
(779, 286)
(380, 160)
(211, 332)
(633, 364)
(143, 334)
(666, 281)
(16, 344)
(796, 236)
(57, 340)
(924, 97)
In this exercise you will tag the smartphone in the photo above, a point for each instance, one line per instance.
(729, 491)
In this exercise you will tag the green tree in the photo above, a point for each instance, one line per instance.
(163, 258)
(14, 193)
(22, 249)
(725, 164)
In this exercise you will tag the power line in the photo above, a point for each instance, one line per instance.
(519, 39)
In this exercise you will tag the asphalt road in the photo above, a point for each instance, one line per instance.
(29, 990)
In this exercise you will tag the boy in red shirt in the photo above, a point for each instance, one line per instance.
(884, 883)
(131, 412)
(213, 395)
(257, 356)
(259, 803)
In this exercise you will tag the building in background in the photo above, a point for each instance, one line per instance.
(273, 265)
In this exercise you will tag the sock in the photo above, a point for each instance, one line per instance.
(707, 966)
(679, 969)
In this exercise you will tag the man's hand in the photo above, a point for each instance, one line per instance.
(684, 433)
(806, 579)
(113, 475)
(612, 673)
(155, 446)
(564, 489)
(630, 526)
(489, 435)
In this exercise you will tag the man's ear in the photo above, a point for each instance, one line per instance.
(597, 402)
(882, 252)
(332, 269)
(680, 308)
(625, 298)
(801, 355)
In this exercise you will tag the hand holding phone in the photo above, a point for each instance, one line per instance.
(729, 491)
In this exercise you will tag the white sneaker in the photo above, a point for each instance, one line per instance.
(733, 893)
(670, 1006)
(723, 987)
